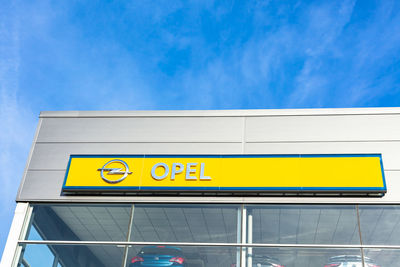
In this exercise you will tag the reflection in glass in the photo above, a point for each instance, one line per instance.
(298, 257)
(380, 224)
(185, 223)
(37, 255)
(303, 224)
(34, 255)
(183, 256)
(80, 222)
(383, 257)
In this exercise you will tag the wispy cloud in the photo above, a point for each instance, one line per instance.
(58, 55)
(208, 54)
(16, 118)
(348, 60)
(322, 26)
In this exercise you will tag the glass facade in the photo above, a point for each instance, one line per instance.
(304, 224)
(185, 223)
(196, 235)
(299, 257)
(380, 225)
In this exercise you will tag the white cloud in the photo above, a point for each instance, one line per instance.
(15, 118)
(266, 54)
(325, 25)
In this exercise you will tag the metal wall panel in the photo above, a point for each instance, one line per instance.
(390, 150)
(55, 155)
(212, 129)
(42, 185)
(264, 132)
(217, 113)
(393, 188)
(46, 186)
(323, 128)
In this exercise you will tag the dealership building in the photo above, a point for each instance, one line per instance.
(262, 188)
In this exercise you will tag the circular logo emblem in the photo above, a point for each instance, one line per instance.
(124, 171)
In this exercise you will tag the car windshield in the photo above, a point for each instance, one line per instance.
(160, 251)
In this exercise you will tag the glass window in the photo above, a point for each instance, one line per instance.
(209, 223)
(80, 222)
(152, 223)
(302, 257)
(380, 224)
(104, 256)
(303, 224)
(382, 257)
(185, 223)
(35, 255)
(183, 256)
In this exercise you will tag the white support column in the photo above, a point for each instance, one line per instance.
(249, 239)
(238, 236)
(244, 238)
(128, 236)
(17, 227)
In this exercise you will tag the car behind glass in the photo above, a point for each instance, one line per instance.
(350, 261)
(158, 256)
(265, 261)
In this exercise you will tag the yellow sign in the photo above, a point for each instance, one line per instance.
(262, 173)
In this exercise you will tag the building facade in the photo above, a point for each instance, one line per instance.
(293, 188)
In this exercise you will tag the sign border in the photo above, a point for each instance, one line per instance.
(225, 189)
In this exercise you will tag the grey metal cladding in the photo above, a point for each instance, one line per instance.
(60, 137)
(53, 156)
(323, 128)
(46, 186)
(389, 149)
(170, 129)
(209, 132)
(42, 185)
(216, 113)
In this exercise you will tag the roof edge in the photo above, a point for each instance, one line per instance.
(220, 113)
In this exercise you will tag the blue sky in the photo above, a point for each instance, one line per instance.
(127, 55)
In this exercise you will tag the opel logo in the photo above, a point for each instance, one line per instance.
(114, 171)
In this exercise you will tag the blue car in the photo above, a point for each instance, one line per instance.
(158, 256)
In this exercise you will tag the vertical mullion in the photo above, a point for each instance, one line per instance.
(239, 234)
(359, 233)
(55, 261)
(243, 236)
(249, 238)
(27, 224)
(128, 235)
